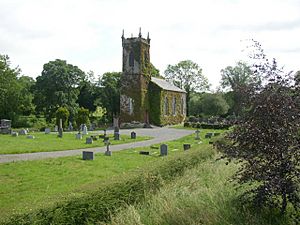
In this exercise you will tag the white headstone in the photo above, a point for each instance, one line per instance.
(47, 130)
(84, 130)
(56, 128)
(22, 132)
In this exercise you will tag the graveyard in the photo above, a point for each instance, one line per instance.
(52, 181)
(49, 142)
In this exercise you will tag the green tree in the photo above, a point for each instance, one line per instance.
(236, 79)
(188, 76)
(87, 92)
(214, 105)
(267, 139)
(109, 93)
(82, 117)
(62, 113)
(58, 86)
(15, 91)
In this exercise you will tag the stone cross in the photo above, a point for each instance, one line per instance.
(107, 152)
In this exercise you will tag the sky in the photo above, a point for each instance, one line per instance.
(87, 33)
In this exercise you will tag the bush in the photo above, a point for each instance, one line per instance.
(99, 205)
(82, 117)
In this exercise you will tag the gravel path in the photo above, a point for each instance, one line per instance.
(159, 135)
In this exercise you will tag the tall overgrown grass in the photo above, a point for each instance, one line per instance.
(203, 195)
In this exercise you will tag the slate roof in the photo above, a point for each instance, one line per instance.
(166, 85)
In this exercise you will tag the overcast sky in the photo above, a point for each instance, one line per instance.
(87, 33)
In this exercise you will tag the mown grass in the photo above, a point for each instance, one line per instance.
(26, 186)
(203, 195)
(50, 142)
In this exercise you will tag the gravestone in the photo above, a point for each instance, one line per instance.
(30, 137)
(116, 134)
(70, 128)
(60, 129)
(208, 135)
(14, 134)
(78, 136)
(56, 128)
(23, 132)
(89, 140)
(186, 146)
(144, 153)
(47, 130)
(107, 152)
(5, 126)
(197, 132)
(86, 155)
(163, 150)
(92, 127)
(104, 132)
(133, 135)
(84, 130)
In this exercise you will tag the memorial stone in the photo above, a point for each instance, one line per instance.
(84, 130)
(30, 137)
(186, 146)
(163, 150)
(89, 140)
(197, 132)
(14, 134)
(87, 155)
(78, 136)
(133, 135)
(47, 130)
(23, 132)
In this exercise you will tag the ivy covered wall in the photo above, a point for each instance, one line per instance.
(162, 114)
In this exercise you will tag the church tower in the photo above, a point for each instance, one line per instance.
(134, 103)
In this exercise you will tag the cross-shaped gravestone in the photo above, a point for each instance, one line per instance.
(107, 152)
(197, 132)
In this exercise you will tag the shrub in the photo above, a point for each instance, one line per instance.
(82, 117)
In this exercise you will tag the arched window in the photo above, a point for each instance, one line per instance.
(174, 106)
(166, 106)
(182, 106)
(131, 59)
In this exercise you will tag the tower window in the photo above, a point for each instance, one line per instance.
(131, 59)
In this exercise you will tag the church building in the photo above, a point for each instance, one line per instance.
(145, 99)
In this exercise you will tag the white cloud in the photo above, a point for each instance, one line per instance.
(87, 33)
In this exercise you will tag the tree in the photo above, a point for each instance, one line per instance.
(15, 91)
(188, 76)
(57, 86)
(82, 117)
(267, 140)
(236, 79)
(109, 93)
(62, 113)
(214, 105)
(87, 92)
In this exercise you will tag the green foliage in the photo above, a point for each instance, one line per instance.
(62, 113)
(109, 93)
(188, 76)
(267, 139)
(82, 117)
(87, 92)
(56, 87)
(15, 97)
(126, 189)
(237, 79)
(214, 105)
(208, 104)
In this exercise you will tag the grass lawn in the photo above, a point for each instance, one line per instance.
(28, 185)
(50, 142)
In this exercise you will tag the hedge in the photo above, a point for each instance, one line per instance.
(100, 204)
(207, 126)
